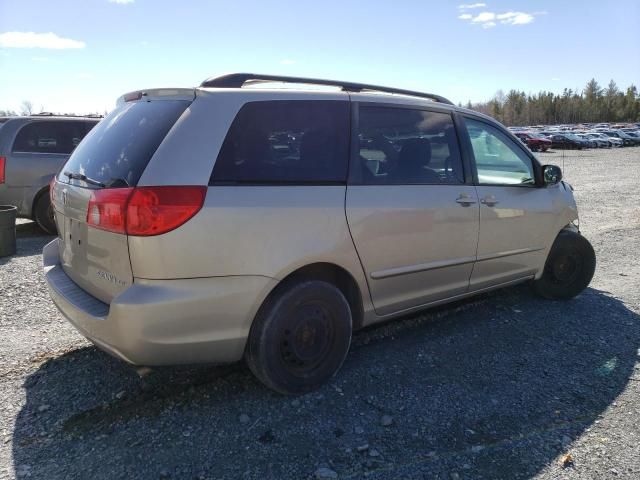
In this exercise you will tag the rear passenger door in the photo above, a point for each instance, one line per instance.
(412, 212)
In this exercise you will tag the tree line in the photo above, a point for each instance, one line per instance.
(27, 108)
(593, 104)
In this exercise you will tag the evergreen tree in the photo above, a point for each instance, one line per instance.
(592, 104)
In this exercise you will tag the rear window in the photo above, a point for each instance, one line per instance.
(285, 142)
(58, 137)
(121, 145)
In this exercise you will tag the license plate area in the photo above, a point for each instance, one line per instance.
(75, 241)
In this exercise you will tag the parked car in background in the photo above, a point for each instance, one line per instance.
(535, 141)
(601, 140)
(615, 141)
(591, 142)
(586, 143)
(632, 132)
(32, 150)
(626, 139)
(564, 141)
(270, 224)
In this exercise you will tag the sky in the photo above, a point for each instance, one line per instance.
(80, 55)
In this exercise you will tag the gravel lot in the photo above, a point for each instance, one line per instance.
(501, 386)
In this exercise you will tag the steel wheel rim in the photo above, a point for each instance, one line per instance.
(565, 268)
(307, 339)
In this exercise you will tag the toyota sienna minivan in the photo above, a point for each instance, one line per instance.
(211, 224)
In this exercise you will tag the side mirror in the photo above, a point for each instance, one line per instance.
(551, 174)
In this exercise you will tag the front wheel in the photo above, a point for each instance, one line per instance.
(300, 337)
(569, 267)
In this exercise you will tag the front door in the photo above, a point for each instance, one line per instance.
(413, 219)
(515, 212)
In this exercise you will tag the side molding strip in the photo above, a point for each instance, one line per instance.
(421, 267)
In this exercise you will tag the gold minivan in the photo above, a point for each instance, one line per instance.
(227, 221)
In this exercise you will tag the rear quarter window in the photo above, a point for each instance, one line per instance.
(121, 145)
(285, 142)
(54, 137)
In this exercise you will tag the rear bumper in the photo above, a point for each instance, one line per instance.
(163, 322)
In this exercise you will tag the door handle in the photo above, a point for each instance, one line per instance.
(489, 201)
(465, 200)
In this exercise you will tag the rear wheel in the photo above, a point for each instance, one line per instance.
(300, 337)
(569, 267)
(43, 214)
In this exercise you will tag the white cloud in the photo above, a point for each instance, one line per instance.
(84, 76)
(121, 2)
(484, 17)
(287, 61)
(491, 19)
(467, 6)
(515, 18)
(37, 40)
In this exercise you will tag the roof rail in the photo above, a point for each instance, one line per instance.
(238, 80)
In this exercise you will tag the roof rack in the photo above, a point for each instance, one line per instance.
(238, 80)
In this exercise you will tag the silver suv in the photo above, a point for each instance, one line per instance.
(32, 150)
(222, 222)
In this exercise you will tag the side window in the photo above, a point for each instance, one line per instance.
(499, 160)
(49, 137)
(286, 141)
(401, 146)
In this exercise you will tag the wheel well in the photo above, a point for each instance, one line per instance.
(43, 191)
(335, 275)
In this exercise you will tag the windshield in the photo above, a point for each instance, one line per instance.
(120, 146)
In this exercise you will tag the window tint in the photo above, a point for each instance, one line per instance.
(121, 145)
(49, 137)
(286, 142)
(499, 160)
(89, 125)
(404, 146)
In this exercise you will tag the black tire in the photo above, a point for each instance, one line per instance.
(300, 337)
(43, 214)
(569, 267)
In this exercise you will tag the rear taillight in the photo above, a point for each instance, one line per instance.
(107, 209)
(144, 211)
(156, 210)
(3, 162)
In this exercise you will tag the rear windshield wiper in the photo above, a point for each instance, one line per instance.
(84, 178)
(117, 183)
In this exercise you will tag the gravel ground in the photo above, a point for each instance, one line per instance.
(501, 386)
